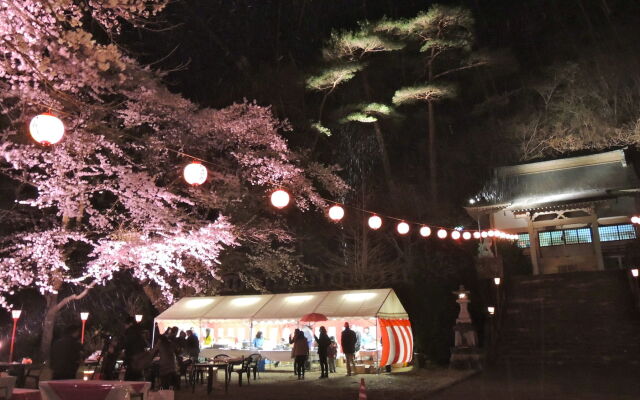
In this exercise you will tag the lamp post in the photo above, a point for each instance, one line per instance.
(15, 314)
(138, 318)
(84, 316)
(634, 272)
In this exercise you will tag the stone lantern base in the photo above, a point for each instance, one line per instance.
(466, 358)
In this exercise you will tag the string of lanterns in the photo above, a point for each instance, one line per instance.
(47, 129)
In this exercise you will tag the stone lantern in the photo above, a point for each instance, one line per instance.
(465, 354)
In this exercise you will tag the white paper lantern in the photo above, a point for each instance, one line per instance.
(403, 228)
(195, 174)
(484, 234)
(442, 233)
(46, 129)
(466, 235)
(476, 235)
(336, 213)
(375, 222)
(280, 198)
(425, 231)
(455, 235)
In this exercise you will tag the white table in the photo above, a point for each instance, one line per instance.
(272, 355)
(76, 389)
(6, 386)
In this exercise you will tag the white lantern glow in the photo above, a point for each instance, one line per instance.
(138, 318)
(455, 235)
(280, 198)
(15, 314)
(635, 220)
(375, 222)
(336, 213)
(491, 310)
(484, 234)
(496, 280)
(634, 272)
(476, 235)
(442, 233)
(84, 316)
(425, 231)
(403, 228)
(195, 173)
(491, 233)
(466, 235)
(46, 129)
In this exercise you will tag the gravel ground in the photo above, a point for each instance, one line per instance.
(404, 384)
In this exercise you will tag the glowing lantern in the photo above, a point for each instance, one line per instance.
(195, 174)
(455, 235)
(466, 235)
(634, 272)
(336, 213)
(491, 310)
(280, 198)
(442, 233)
(491, 233)
(46, 129)
(635, 220)
(476, 235)
(138, 318)
(375, 222)
(484, 234)
(496, 280)
(425, 231)
(403, 228)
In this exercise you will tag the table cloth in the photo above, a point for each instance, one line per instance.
(26, 394)
(76, 389)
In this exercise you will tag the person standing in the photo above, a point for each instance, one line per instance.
(192, 346)
(258, 341)
(66, 354)
(208, 339)
(168, 363)
(134, 345)
(348, 341)
(300, 352)
(332, 353)
(323, 349)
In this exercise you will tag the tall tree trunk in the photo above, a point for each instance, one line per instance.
(51, 311)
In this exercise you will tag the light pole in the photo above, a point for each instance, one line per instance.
(138, 318)
(84, 316)
(15, 314)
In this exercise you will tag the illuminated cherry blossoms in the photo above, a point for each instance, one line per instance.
(110, 193)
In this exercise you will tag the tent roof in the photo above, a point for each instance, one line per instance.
(382, 303)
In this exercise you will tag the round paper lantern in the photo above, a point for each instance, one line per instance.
(491, 233)
(375, 222)
(280, 198)
(635, 220)
(466, 235)
(403, 228)
(195, 173)
(455, 235)
(484, 234)
(425, 231)
(476, 235)
(46, 129)
(442, 233)
(336, 213)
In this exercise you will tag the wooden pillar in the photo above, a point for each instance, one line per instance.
(534, 246)
(597, 248)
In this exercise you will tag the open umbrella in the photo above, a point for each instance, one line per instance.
(313, 317)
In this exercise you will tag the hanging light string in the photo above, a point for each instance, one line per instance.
(195, 174)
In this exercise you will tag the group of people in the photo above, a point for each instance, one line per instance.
(327, 351)
(176, 350)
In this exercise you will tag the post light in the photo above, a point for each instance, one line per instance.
(491, 310)
(425, 231)
(336, 213)
(15, 314)
(375, 222)
(455, 235)
(138, 318)
(634, 272)
(84, 316)
(403, 228)
(476, 235)
(466, 235)
(46, 129)
(195, 173)
(442, 233)
(496, 280)
(280, 198)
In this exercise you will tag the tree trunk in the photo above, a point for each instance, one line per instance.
(433, 174)
(51, 311)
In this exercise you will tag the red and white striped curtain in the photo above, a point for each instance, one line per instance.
(397, 341)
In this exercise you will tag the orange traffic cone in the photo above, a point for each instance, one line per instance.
(363, 390)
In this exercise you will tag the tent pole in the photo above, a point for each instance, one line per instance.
(377, 344)
(153, 334)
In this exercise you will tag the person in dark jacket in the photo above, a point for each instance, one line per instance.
(134, 346)
(66, 354)
(192, 346)
(348, 341)
(323, 348)
(168, 363)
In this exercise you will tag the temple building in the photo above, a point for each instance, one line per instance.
(570, 214)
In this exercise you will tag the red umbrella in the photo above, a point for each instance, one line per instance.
(313, 317)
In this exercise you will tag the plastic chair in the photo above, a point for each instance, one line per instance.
(254, 365)
(243, 368)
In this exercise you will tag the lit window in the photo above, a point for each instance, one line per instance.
(524, 242)
(609, 233)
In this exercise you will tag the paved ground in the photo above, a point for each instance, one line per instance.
(570, 383)
(401, 385)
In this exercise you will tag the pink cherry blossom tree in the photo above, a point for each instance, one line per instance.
(109, 198)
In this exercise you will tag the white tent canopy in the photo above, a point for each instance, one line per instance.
(340, 304)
